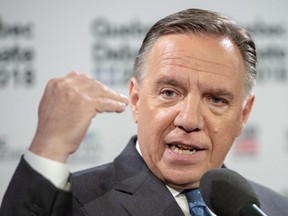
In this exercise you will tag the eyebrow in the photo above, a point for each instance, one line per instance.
(168, 81)
(219, 92)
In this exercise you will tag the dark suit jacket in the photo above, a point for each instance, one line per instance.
(124, 187)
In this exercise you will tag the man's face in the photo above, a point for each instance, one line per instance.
(189, 107)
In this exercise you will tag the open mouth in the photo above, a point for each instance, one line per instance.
(181, 149)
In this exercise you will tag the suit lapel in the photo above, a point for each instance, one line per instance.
(136, 191)
(150, 199)
(140, 192)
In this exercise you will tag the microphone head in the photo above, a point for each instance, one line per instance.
(225, 192)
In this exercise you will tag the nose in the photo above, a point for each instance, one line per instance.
(189, 117)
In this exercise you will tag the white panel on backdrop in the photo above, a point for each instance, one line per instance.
(42, 40)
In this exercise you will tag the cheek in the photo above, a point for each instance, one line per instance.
(153, 125)
(225, 127)
(154, 118)
(222, 135)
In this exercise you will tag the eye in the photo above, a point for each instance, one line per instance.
(218, 101)
(168, 93)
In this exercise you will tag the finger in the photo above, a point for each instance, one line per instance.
(113, 95)
(109, 105)
(101, 90)
(73, 73)
(94, 87)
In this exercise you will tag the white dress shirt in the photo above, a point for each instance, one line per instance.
(180, 199)
(57, 173)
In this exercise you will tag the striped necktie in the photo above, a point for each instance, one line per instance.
(196, 204)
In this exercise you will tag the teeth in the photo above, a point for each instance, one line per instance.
(182, 149)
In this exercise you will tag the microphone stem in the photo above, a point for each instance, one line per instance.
(250, 209)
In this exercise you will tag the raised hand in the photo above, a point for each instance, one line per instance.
(65, 113)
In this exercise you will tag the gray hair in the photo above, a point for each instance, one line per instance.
(193, 21)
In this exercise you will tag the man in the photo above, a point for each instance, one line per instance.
(190, 96)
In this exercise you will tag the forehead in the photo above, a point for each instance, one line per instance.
(208, 56)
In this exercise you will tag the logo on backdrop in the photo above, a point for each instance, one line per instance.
(247, 144)
(115, 48)
(16, 55)
(271, 43)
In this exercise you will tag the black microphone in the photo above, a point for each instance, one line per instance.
(227, 193)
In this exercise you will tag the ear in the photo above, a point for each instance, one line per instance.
(246, 111)
(134, 97)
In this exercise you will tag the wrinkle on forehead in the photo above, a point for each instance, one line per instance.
(193, 63)
(195, 56)
(181, 59)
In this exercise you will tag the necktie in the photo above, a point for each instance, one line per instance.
(196, 204)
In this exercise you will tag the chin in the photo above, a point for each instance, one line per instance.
(181, 181)
(183, 185)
